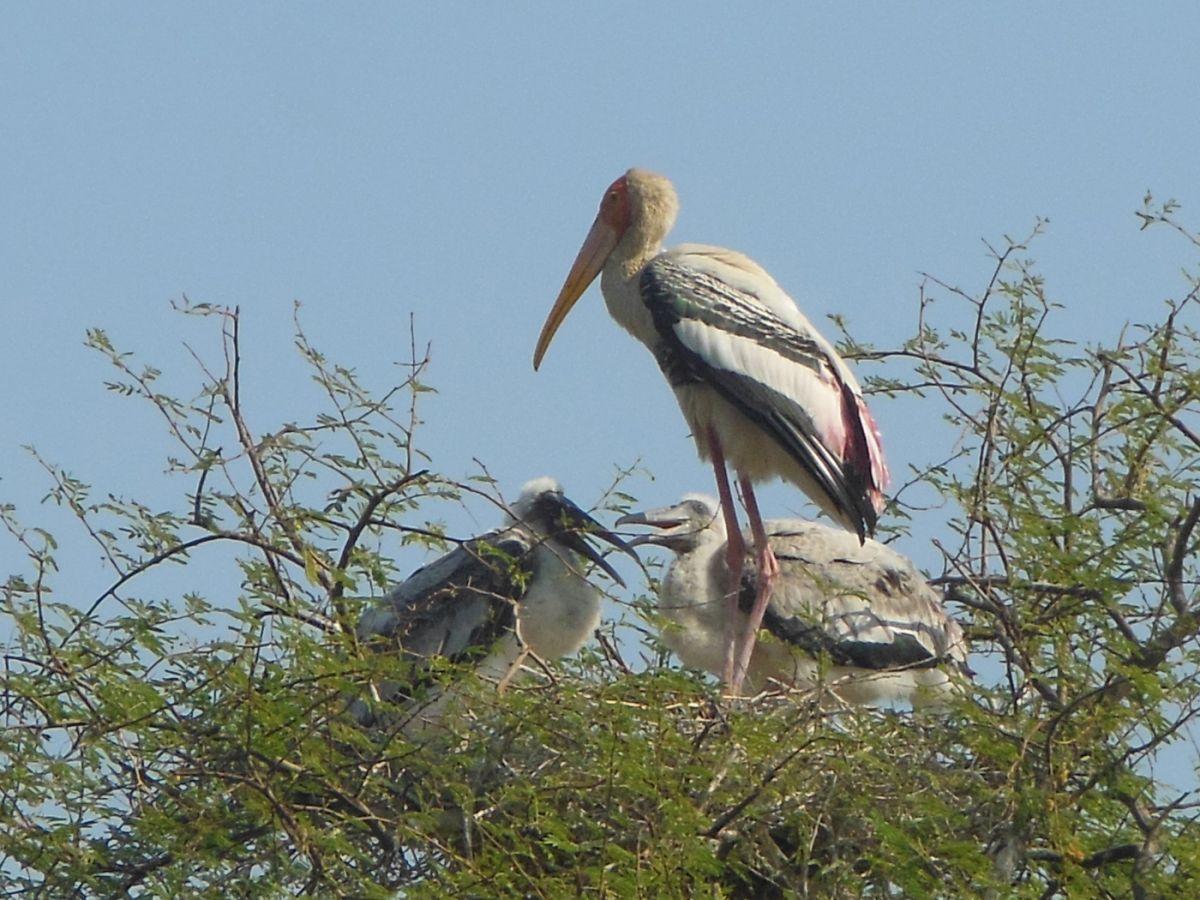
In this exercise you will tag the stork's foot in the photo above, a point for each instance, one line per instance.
(768, 567)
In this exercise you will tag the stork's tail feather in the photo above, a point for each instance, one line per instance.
(862, 457)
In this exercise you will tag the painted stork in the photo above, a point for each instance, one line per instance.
(491, 602)
(758, 385)
(863, 607)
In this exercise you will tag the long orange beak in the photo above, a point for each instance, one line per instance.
(592, 255)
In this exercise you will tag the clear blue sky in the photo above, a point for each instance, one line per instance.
(377, 160)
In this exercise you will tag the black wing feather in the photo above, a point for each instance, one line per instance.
(456, 607)
(670, 296)
(812, 636)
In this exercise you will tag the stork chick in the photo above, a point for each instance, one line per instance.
(862, 609)
(521, 589)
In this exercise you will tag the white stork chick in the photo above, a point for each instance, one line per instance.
(757, 383)
(863, 609)
(518, 590)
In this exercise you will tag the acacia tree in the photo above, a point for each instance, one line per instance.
(184, 729)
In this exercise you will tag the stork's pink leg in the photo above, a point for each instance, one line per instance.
(735, 557)
(768, 573)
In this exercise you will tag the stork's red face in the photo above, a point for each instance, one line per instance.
(612, 221)
(615, 209)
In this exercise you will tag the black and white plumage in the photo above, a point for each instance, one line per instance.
(863, 608)
(521, 589)
(760, 387)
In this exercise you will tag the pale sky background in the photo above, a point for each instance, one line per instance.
(377, 160)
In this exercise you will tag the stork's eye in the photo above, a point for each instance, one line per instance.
(612, 197)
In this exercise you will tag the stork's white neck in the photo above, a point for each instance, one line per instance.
(620, 282)
(561, 609)
(691, 598)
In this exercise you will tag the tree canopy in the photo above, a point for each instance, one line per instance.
(172, 741)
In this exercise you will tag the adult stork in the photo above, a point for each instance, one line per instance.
(861, 607)
(758, 385)
(489, 603)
